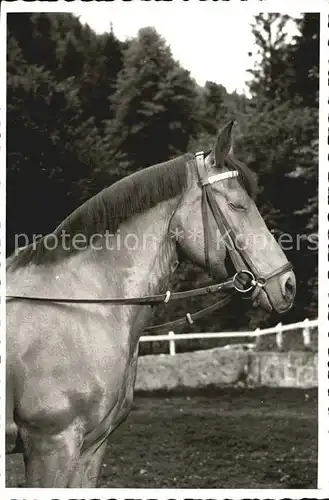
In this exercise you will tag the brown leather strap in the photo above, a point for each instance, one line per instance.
(208, 199)
(189, 319)
(147, 300)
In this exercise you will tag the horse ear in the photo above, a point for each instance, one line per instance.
(223, 144)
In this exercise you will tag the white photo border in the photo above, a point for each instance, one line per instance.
(290, 7)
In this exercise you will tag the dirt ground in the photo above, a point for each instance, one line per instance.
(214, 438)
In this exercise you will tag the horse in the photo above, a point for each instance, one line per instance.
(79, 299)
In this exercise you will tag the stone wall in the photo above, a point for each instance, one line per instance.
(286, 369)
(220, 367)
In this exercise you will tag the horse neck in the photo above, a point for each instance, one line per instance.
(136, 261)
(142, 253)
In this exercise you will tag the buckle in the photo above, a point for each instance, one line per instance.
(261, 282)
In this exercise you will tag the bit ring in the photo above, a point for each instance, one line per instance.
(252, 281)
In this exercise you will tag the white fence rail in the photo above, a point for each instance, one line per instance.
(279, 329)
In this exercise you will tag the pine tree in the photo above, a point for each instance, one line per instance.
(272, 73)
(154, 105)
(36, 35)
(215, 108)
(305, 60)
(104, 61)
(50, 148)
(71, 58)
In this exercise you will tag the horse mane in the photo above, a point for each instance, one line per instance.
(115, 204)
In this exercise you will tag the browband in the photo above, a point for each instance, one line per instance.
(217, 177)
(221, 177)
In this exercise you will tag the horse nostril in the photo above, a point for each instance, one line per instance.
(289, 289)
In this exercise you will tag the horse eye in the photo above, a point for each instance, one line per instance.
(237, 207)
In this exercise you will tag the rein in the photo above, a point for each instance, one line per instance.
(232, 284)
(246, 279)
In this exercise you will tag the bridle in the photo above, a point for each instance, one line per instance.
(246, 271)
(246, 279)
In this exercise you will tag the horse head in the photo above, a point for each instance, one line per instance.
(218, 224)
